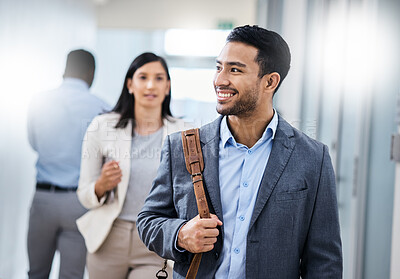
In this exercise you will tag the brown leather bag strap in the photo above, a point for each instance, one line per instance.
(195, 165)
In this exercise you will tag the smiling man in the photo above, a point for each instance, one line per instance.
(270, 188)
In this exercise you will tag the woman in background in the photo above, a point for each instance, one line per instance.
(120, 157)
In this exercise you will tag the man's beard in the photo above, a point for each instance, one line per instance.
(241, 107)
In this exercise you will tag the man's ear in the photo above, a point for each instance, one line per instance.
(272, 81)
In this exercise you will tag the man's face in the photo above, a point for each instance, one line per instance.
(236, 80)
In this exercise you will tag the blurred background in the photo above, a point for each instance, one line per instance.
(343, 89)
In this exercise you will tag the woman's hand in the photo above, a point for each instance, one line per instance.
(110, 177)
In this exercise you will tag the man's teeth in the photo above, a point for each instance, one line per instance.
(225, 95)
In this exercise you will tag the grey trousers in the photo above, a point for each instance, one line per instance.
(52, 227)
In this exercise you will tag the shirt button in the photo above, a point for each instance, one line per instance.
(236, 250)
(241, 218)
(245, 184)
(249, 151)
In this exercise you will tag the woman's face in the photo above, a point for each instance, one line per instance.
(149, 85)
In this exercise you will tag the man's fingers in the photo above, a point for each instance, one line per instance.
(211, 233)
(215, 217)
(209, 240)
(209, 223)
(203, 247)
(199, 235)
(207, 248)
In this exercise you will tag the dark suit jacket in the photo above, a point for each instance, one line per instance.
(294, 229)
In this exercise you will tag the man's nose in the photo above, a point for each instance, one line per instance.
(221, 79)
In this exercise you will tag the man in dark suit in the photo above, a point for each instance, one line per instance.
(270, 188)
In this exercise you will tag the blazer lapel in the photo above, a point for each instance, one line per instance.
(209, 138)
(281, 151)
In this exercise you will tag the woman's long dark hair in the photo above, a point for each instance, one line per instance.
(126, 102)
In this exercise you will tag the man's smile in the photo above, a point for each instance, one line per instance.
(225, 93)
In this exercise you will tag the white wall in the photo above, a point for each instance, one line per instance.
(294, 32)
(35, 37)
(165, 14)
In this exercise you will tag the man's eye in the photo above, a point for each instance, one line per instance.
(160, 78)
(142, 77)
(218, 68)
(235, 70)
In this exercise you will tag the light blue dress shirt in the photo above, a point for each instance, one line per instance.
(240, 173)
(57, 122)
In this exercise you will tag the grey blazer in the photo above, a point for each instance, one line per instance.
(294, 230)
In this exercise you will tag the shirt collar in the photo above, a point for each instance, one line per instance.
(226, 134)
(75, 83)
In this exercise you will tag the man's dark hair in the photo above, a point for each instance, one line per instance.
(273, 52)
(80, 64)
(126, 102)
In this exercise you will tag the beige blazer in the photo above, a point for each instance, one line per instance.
(102, 142)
